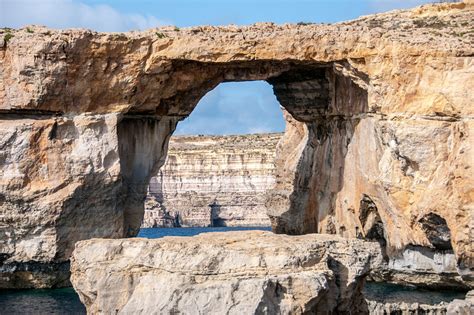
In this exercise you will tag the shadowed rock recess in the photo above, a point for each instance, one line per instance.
(378, 143)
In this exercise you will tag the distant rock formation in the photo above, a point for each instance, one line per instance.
(251, 272)
(213, 181)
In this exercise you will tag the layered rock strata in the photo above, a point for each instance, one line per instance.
(213, 181)
(422, 267)
(223, 273)
(379, 139)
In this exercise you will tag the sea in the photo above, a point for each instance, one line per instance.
(66, 301)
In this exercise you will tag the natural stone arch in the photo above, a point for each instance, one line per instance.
(220, 161)
(307, 91)
(65, 94)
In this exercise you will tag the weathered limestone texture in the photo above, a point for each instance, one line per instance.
(379, 141)
(424, 267)
(253, 272)
(64, 180)
(213, 181)
(403, 308)
(456, 307)
(462, 307)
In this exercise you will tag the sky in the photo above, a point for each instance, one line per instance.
(231, 108)
(235, 108)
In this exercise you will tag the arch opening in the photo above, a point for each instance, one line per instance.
(322, 105)
(220, 161)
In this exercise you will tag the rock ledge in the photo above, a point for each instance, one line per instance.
(217, 273)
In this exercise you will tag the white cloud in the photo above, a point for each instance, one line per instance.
(71, 14)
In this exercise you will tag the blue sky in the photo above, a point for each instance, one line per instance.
(231, 108)
(235, 108)
(121, 15)
(220, 12)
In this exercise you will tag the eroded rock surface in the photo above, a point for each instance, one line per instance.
(68, 179)
(223, 273)
(379, 135)
(456, 307)
(213, 181)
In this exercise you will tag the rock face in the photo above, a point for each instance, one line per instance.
(213, 181)
(462, 307)
(379, 139)
(72, 165)
(456, 307)
(223, 273)
(424, 267)
(377, 308)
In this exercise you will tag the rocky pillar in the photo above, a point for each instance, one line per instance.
(143, 143)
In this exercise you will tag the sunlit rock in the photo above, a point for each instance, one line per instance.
(379, 130)
(224, 273)
(213, 181)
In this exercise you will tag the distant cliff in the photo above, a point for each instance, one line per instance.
(213, 181)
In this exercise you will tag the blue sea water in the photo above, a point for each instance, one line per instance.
(191, 231)
(66, 301)
(39, 302)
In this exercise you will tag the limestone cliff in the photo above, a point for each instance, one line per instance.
(224, 273)
(379, 140)
(213, 181)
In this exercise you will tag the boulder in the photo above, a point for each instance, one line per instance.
(223, 273)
